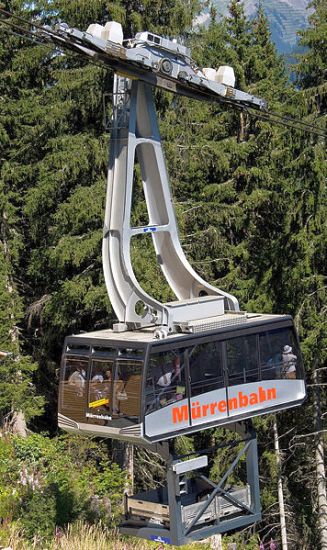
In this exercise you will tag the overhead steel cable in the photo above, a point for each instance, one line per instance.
(291, 122)
(284, 120)
(12, 25)
(26, 36)
(32, 37)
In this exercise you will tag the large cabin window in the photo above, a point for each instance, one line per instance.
(165, 381)
(242, 360)
(279, 355)
(74, 382)
(73, 387)
(100, 386)
(206, 367)
(127, 386)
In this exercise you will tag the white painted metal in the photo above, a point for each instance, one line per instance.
(113, 31)
(191, 464)
(225, 75)
(95, 30)
(135, 134)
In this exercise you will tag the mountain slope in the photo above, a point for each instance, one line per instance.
(285, 18)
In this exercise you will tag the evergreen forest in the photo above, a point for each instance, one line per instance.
(251, 204)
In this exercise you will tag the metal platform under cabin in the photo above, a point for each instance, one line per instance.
(191, 506)
(151, 507)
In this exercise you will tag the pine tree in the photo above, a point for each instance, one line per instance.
(55, 158)
(309, 261)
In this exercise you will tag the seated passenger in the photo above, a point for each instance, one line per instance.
(97, 377)
(169, 376)
(165, 380)
(289, 363)
(108, 375)
(77, 380)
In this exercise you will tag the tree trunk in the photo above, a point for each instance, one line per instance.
(280, 488)
(123, 454)
(320, 466)
(241, 133)
(129, 467)
(17, 422)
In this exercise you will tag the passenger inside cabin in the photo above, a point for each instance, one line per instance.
(166, 380)
(108, 375)
(170, 378)
(77, 380)
(289, 363)
(98, 377)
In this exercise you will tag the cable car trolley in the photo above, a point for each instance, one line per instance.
(171, 369)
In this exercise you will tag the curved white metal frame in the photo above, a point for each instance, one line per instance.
(135, 132)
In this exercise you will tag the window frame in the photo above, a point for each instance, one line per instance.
(227, 374)
(101, 359)
(223, 362)
(156, 350)
(116, 365)
(82, 356)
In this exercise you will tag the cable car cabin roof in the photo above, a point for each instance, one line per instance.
(134, 387)
(228, 323)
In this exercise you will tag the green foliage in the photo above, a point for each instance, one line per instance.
(38, 516)
(54, 481)
(311, 69)
(250, 201)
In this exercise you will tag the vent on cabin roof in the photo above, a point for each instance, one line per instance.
(212, 323)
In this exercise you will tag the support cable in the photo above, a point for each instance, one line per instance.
(49, 35)
(284, 120)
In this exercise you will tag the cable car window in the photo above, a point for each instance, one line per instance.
(279, 355)
(127, 387)
(131, 353)
(100, 386)
(74, 383)
(78, 350)
(100, 350)
(206, 368)
(242, 360)
(165, 382)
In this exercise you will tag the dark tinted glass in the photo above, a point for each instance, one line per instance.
(165, 381)
(242, 360)
(73, 386)
(206, 367)
(100, 386)
(75, 374)
(127, 387)
(279, 355)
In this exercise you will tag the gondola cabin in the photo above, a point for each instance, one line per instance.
(134, 387)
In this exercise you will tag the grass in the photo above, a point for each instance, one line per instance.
(82, 536)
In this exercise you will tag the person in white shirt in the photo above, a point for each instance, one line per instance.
(77, 380)
(289, 363)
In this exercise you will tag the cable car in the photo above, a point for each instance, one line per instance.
(133, 387)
